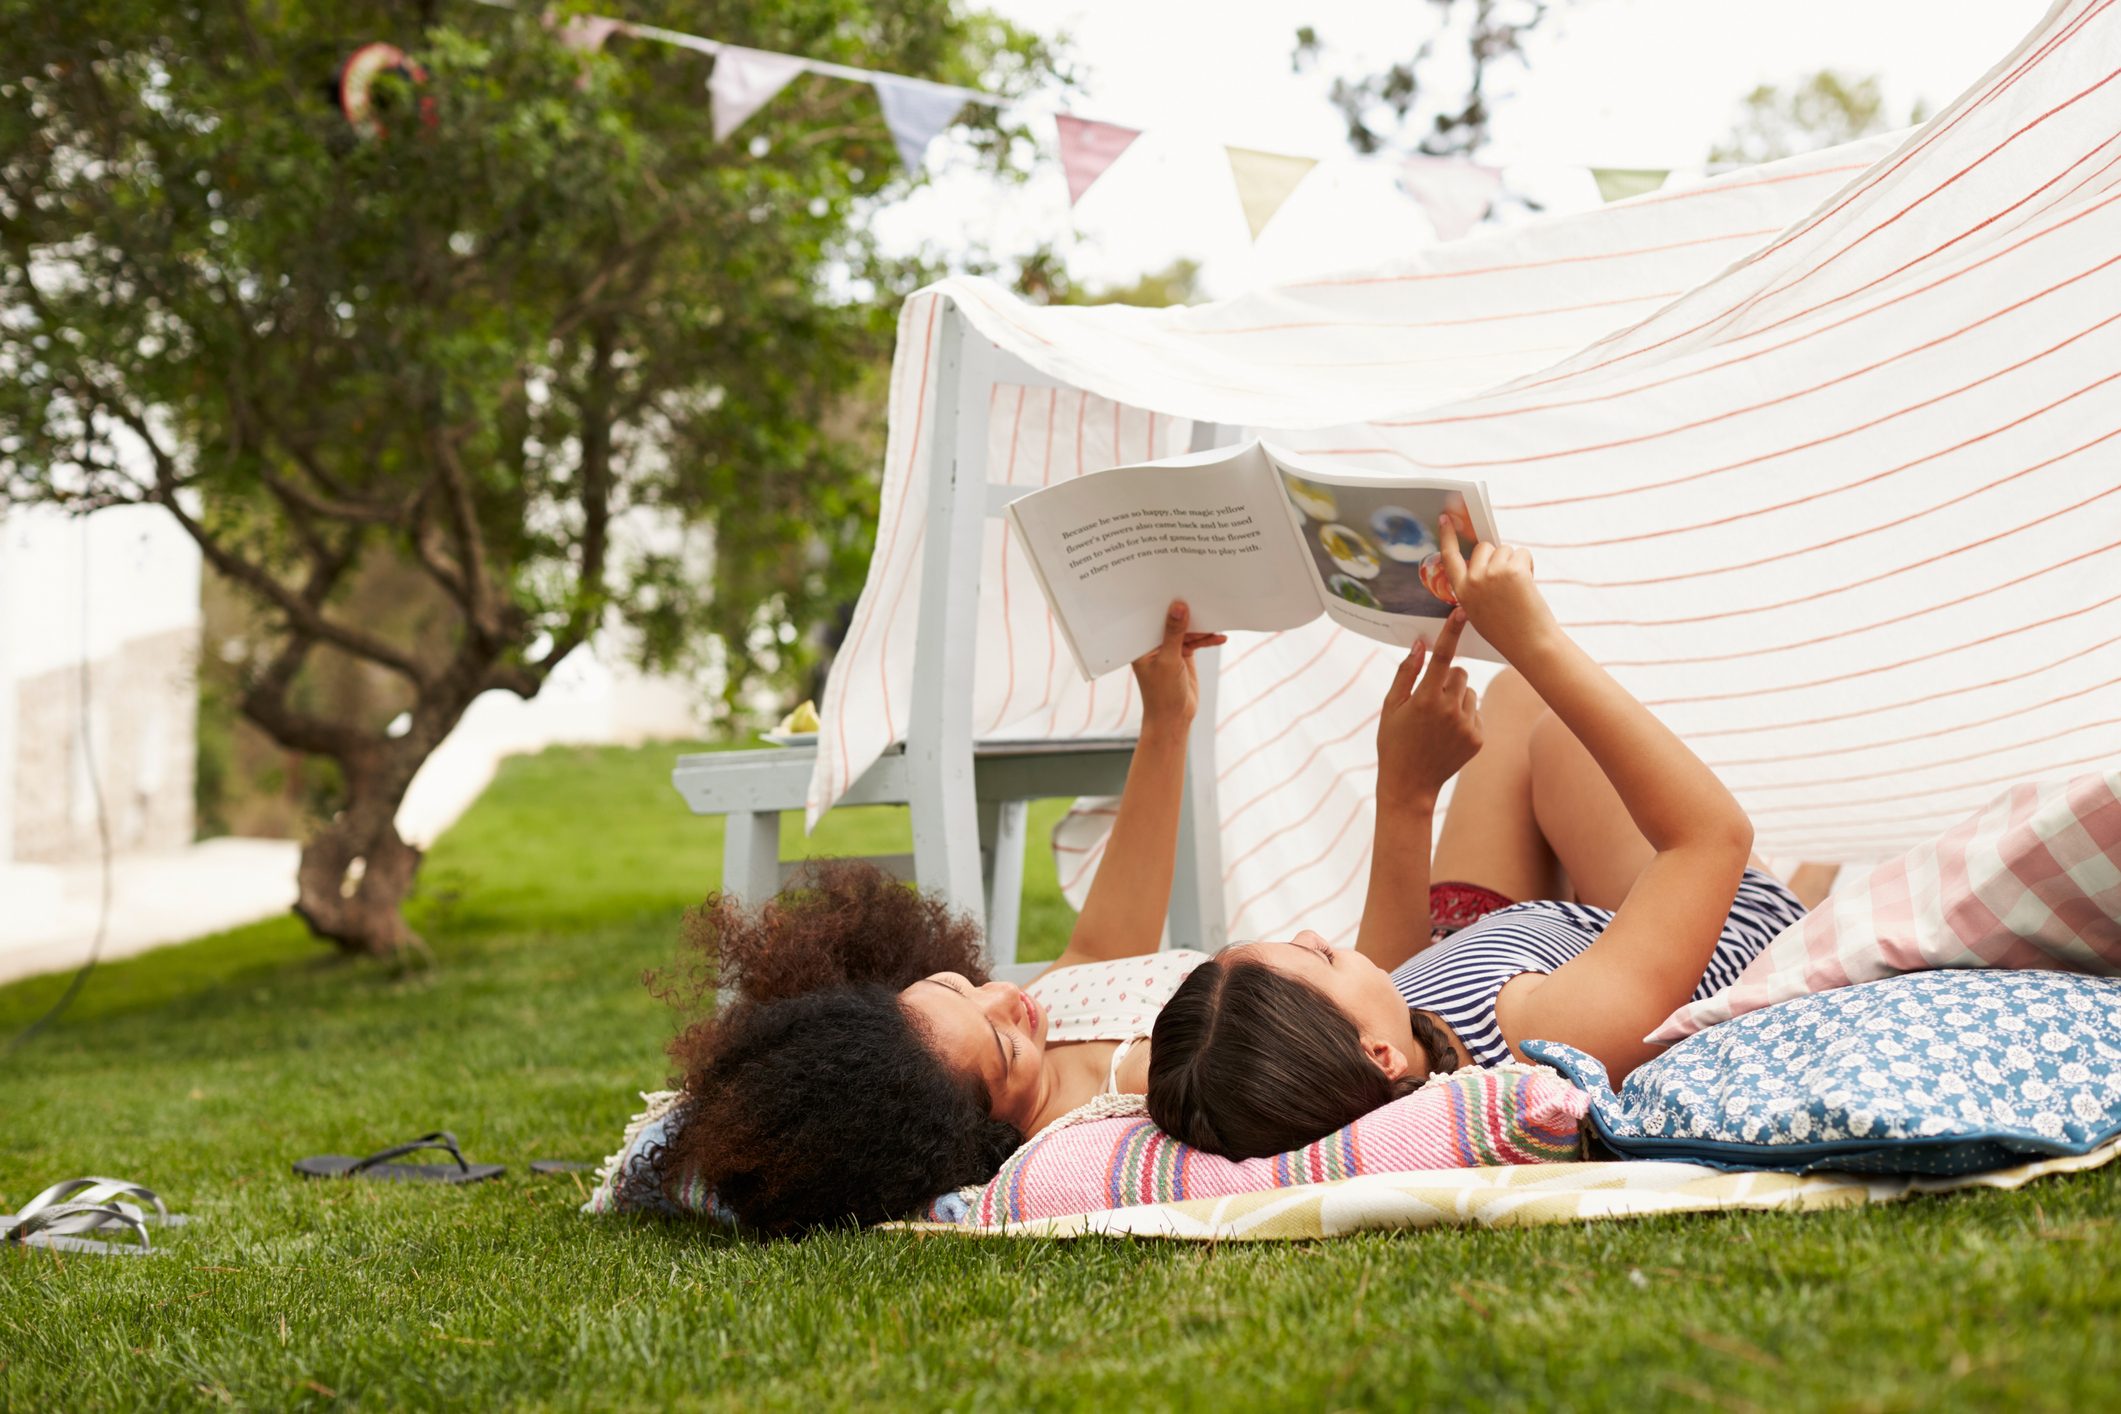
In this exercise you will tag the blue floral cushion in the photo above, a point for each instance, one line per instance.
(1932, 1072)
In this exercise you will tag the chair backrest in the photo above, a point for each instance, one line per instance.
(961, 499)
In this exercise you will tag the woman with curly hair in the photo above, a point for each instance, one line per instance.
(869, 1063)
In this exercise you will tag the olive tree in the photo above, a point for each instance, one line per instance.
(526, 298)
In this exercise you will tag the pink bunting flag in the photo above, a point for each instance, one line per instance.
(1453, 193)
(587, 33)
(744, 81)
(1087, 148)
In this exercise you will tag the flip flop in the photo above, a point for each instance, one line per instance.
(59, 1228)
(378, 1165)
(561, 1166)
(98, 1192)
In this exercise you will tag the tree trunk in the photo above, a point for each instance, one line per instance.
(361, 910)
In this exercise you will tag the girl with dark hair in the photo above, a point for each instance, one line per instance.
(868, 1063)
(1276, 1044)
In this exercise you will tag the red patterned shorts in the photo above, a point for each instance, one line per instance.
(1453, 906)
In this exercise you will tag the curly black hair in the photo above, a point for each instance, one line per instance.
(811, 1098)
(827, 1108)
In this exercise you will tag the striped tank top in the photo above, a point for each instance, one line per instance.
(1459, 978)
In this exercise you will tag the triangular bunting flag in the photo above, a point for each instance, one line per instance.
(587, 33)
(915, 112)
(744, 81)
(1620, 183)
(1264, 181)
(1087, 148)
(1453, 193)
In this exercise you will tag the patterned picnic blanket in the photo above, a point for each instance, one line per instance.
(1522, 1195)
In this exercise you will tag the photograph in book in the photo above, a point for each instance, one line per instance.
(1251, 537)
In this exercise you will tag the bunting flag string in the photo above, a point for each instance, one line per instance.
(1264, 182)
(1087, 148)
(744, 81)
(915, 112)
(1620, 183)
(1454, 194)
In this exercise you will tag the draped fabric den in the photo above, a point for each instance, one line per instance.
(1819, 458)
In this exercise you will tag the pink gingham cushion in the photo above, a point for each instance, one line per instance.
(2031, 881)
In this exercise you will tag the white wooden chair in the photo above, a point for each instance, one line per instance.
(969, 799)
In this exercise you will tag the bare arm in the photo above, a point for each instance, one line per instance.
(1425, 732)
(1651, 957)
(1124, 914)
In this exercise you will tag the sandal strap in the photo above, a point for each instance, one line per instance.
(94, 1191)
(74, 1219)
(440, 1139)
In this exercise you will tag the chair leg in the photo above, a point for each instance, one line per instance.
(1196, 919)
(751, 855)
(1004, 826)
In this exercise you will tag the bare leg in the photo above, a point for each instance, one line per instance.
(1811, 882)
(1581, 816)
(1490, 836)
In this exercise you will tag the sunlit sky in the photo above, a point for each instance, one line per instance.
(1612, 83)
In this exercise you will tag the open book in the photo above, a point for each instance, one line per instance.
(1251, 537)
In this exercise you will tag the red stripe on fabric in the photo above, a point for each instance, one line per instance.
(1320, 857)
(1091, 857)
(1756, 651)
(1296, 720)
(1292, 778)
(1045, 478)
(1082, 408)
(1325, 798)
(1957, 789)
(1835, 437)
(2017, 710)
(1883, 667)
(1126, 702)
(1295, 921)
(1856, 190)
(1816, 546)
(1007, 315)
(1367, 325)
(1734, 412)
(1609, 396)
(898, 518)
(1429, 276)
(2046, 737)
(1275, 687)
(2008, 678)
(1815, 267)
(2041, 210)
(1016, 428)
(1875, 281)
(1257, 643)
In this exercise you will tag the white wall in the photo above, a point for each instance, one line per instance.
(75, 587)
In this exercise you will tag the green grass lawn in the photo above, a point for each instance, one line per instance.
(205, 1069)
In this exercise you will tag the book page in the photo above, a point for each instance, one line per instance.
(1371, 546)
(1114, 548)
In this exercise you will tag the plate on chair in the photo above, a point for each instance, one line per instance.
(789, 738)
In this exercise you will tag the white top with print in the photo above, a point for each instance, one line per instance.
(1111, 1001)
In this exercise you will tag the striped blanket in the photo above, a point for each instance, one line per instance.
(1511, 1114)
(1518, 1196)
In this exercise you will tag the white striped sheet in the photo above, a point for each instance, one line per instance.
(1846, 535)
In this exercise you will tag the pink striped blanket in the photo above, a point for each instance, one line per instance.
(1475, 1118)
(2033, 880)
